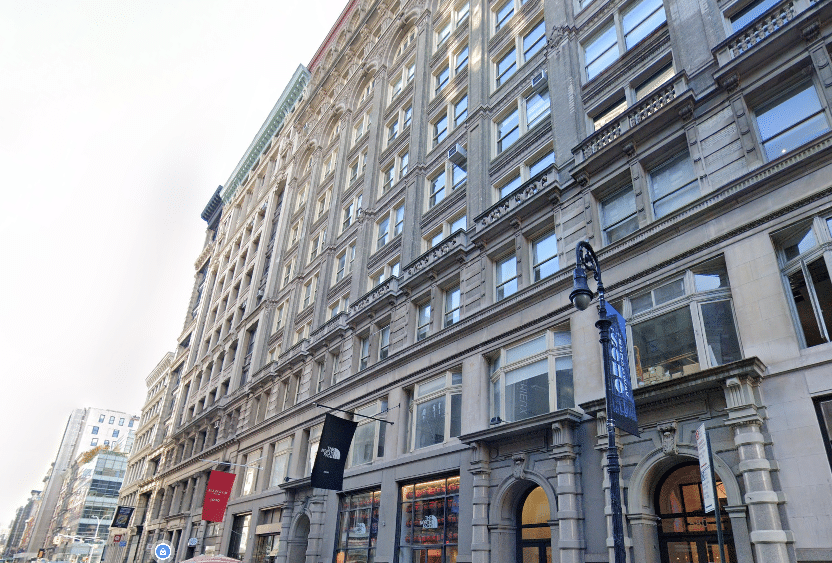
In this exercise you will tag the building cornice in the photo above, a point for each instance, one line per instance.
(273, 124)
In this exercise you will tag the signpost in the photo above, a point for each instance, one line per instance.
(706, 470)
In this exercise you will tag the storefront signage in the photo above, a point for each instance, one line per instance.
(122, 517)
(192, 542)
(217, 493)
(620, 388)
(336, 438)
(430, 522)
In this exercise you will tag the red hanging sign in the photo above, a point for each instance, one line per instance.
(217, 493)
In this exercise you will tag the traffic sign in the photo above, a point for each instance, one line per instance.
(122, 544)
(163, 551)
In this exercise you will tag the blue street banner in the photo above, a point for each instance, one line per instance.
(620, 387)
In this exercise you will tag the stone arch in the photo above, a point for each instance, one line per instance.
(405, 27)
(298, 539)
(503, 505)
(645, 477)
(641, 512)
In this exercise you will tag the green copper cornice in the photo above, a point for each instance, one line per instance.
(273, 124)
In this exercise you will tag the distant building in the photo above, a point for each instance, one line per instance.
(86, 505)
(85, 429)
(21, 527)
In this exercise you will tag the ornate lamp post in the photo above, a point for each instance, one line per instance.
(581, 297)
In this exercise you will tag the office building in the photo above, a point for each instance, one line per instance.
(398, 241)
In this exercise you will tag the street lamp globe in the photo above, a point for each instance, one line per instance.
(581, 295)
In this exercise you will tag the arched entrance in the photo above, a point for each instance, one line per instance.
(296, 552)
(534, 535)
(686, 533)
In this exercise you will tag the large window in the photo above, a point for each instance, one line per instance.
(436, 410)
(357, 527)
(790, 120)
(280, 462)
(429, 528)
(684, 325)
(368, 443)
(805, 254)
(239, 536)
(823, 406)
(423, 321)
(618, 215)
(672, 185)
(533, 377)
(634, 24)
(506, 277)
(544, 256)
(314, 442)
(521, 115)
(452, 305)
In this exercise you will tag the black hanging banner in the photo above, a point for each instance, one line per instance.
(621, 389)
(336, 438)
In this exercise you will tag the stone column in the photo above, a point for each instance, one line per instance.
(820, 58)
(481, 470)
(285, 527)
(570, 519)
(768, 538)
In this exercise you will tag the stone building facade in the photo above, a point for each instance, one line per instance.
(398, 241)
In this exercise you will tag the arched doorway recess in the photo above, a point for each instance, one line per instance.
(686, 533)
(534, 536)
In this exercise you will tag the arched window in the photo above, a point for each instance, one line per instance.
(686, 533)
(534, 535)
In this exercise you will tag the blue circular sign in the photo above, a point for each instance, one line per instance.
(163, 551)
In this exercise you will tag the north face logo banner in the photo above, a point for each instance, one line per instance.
(336, 438)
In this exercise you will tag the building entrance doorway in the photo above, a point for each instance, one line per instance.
(686, 533)
(534, 536)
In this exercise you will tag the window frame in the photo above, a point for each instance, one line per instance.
(557, 344)
(618, 46)
(500, 283)
(692, 300)
(452, 386)
(820, 227)
(788, 94)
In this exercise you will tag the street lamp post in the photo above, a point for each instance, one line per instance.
(95, 538)
(581, 297)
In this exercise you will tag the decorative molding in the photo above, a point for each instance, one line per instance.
(274, 123)
(669, 435)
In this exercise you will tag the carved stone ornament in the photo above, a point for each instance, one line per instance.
(582, 178)
(686, 111)
(519, 465)
(629, 149)
(669, 435)
(730, 82)
(811, 32)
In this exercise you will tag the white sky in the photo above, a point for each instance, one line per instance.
(118, 120)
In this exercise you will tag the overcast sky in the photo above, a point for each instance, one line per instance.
(118, 120)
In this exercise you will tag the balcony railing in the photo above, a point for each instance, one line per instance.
(375, 295)
(332, 326)
(632, 118)
(767, 24)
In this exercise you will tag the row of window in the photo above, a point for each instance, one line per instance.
(791, 119)
(112, 420)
